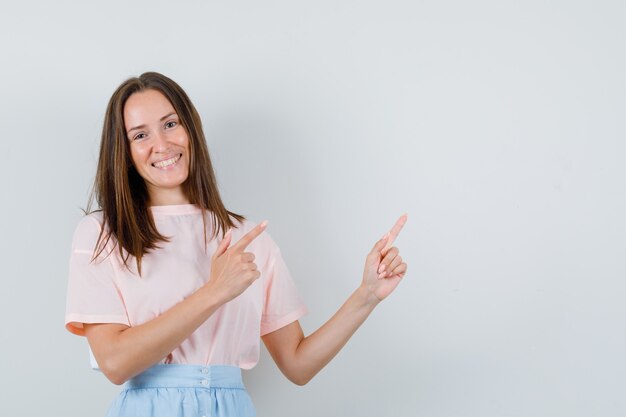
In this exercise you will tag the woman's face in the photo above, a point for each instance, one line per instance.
(159, 146)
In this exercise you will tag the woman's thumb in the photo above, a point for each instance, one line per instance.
(378, 247)
(223, 246)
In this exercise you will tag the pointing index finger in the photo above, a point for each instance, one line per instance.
(395, 231)
(249, 237)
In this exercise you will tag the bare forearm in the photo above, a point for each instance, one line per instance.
(123, 352)
(299, 357)
(135, 349)
(316, 350)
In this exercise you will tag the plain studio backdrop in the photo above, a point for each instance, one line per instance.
(497, 125)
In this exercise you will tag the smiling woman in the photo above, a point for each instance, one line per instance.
(179, 323)
(159, 146)
(149, 121)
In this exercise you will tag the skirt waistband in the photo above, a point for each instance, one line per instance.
(188, 376)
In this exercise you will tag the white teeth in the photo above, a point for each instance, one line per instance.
(166, 163)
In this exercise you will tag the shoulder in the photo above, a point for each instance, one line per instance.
(87, 232)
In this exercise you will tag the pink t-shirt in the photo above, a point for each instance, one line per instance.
(104, 291)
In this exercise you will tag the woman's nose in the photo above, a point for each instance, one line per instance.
(160, 142)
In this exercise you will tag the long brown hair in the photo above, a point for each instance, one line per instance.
(121, 192)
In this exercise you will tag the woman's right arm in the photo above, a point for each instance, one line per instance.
(123, 352)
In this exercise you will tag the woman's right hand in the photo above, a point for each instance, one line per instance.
(123, 352)
(232, 269)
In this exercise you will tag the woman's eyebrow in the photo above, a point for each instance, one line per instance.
(142, 126)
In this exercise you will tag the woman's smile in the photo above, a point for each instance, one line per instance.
(167, 163)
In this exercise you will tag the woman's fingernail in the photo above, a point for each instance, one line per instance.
(381, 268)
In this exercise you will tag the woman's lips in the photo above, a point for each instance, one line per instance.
(167, 162)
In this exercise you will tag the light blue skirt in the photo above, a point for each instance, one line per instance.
(184, 391)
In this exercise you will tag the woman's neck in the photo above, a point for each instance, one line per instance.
(167, 197)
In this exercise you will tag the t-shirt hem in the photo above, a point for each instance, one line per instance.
(74, 322)
(283, 321)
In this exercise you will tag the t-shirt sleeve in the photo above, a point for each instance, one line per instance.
(283, 304)
(92, 296)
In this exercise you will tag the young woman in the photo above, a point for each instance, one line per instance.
(173, 291)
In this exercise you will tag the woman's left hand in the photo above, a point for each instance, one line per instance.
(384, 267)
(299, 357)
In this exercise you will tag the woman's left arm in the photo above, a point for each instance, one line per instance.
(300, 358)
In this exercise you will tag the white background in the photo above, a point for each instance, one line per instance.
(497, 125)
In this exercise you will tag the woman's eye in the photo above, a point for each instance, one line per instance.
(140, 136)
(170, 124)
